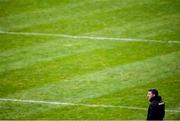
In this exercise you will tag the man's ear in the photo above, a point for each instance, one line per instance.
(153, 95)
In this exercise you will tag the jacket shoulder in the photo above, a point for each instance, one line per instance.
(155, 103)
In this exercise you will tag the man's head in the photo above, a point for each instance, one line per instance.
(152, 93)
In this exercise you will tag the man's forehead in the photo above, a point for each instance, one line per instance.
(149, 92)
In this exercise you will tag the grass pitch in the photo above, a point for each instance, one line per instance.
(85, 70)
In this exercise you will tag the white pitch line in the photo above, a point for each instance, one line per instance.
(76, 104)
(89, 37)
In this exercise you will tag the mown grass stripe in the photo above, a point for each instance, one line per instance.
(32, 18)
(106, 81)
(28, 56)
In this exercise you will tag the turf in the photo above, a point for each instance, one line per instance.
(88, 71)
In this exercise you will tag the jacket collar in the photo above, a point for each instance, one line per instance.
(156, 98)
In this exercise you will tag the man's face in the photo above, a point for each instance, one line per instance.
(150, 95)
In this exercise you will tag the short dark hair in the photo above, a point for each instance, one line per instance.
(154, 91)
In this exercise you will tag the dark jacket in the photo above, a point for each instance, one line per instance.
(156, 110)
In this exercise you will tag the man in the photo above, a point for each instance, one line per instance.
(156, 110)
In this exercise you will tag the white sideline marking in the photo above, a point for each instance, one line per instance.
(76, 104)
(88, 37)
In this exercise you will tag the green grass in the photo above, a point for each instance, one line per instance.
(86, 71)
